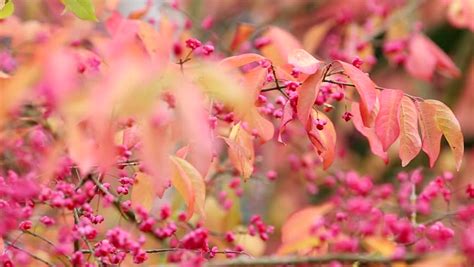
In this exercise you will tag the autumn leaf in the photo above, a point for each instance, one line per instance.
(241, 151)
(142, 191)
(83, 9)
(190, 184)
(316, 34)
(324, 141)
(6, 9)
(425, 57)
(303, 61)
(241, 35)
(410, 141)
(296, 231)
(307, 94)
(366, 89)
(288, 115)
(430, 133)
(369, 133)
(386, 124)
(240, 60)
(451, 129)
(282, 43)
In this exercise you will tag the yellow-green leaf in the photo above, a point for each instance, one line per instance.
(6, 8)
(83, 9)
(190, 184)
(451, 129)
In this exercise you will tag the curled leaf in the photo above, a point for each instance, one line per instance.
(241, 151)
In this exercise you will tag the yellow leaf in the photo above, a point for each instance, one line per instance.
(190, 184)
(143, 192)
(241, 151)
(451, 129)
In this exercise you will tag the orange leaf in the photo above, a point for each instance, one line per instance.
(307, 94)
(451, 129)
(369, 133)
(242, 34)
(410, 141)
(315, 35)
(282, 44)
(386, 123)
(288, 115)
(430, 134)
(366, 89)
(190, 184)
(324, 141)
(297, 227)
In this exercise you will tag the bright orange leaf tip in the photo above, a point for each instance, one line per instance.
(303, 61)
(296, 236)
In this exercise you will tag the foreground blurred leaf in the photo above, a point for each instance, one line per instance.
(142, 192)
(6, 8)
(83, 9)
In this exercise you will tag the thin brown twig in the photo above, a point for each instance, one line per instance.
(28, 253)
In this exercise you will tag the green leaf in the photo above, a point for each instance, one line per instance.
(83, 9)
(7, 9)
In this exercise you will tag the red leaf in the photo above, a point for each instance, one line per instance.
(386, 123)
(425, 57)
(369, 133)
(430, 134)
(410, 141)
(366, 89)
